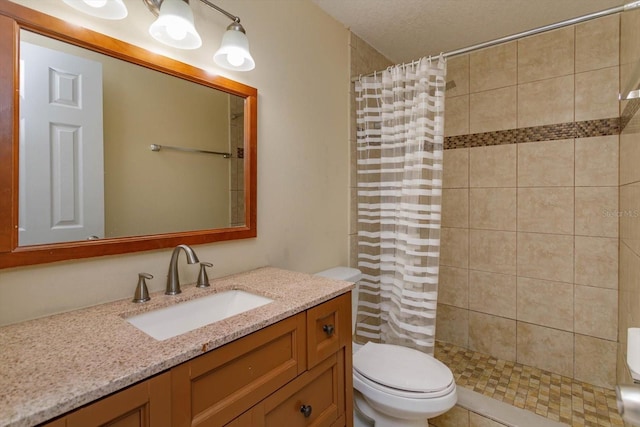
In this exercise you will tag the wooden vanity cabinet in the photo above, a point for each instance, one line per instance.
(296, 372)
(146, 404)
(213, 389)
(293, 373)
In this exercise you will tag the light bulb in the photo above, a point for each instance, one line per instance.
(235, 58)
(176, 31)
(96, 3)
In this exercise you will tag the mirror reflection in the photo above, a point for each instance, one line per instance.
(87, 168)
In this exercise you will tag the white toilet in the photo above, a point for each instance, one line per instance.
(394, 386)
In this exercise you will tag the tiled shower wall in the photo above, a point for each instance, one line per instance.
(529, 250)
(629, 312)
(236, 145)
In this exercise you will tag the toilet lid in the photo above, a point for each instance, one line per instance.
(402, 368)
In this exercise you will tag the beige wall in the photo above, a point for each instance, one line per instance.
(629, 298)
(167, 111)
(303, 199)
(529, 229)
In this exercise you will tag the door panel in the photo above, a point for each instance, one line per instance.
(61, 147)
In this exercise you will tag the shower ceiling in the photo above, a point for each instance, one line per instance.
(404, 30)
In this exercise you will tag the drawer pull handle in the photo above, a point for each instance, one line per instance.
(328, 329)
(306, 410)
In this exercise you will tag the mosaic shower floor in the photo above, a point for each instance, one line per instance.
(547, 394)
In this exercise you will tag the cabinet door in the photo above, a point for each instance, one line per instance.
(143, 405)
(213, 389)
(328, 328)
(315, 398)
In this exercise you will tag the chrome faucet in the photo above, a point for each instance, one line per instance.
(173, 281)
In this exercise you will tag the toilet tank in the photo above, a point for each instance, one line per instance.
(347, 274)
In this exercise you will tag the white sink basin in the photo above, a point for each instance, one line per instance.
(177, 319)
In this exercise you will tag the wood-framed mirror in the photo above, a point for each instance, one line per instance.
(227, 159)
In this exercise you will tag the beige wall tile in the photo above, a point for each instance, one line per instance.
(597, 94)
(630, 216)
(557, 158)
(630, 156)
(546, 210)
(629, 292)
(493, 166)
(353, 162)
(629, 33)
(546, 102)
(353, 214)
(455, 172)
(455, 417)
(493, 110)
(492, 208)
(596, 312)
(456, 116)
(453, 286)
(454, 247)
(494, 67)
(545, 256)
(546, 55)
(353, 250)
(545, 348)
(455, 207)
(492, 293)
(596, 261)
(597, 161)
(597, 43)
(622, 370)
(493, 251)
(596, 211)
(595, 361)
(452, 325)
(353, 114)
(545, 303)
(477, 420)
(458, 72)
(365, 59)
(492, 335)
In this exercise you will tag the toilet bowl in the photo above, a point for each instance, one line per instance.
(394, 386)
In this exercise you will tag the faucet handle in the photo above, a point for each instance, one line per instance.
(203, 279)
(142, 293)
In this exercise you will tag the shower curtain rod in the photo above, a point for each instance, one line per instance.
(572, 21)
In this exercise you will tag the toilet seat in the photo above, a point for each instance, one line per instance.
(402, 371)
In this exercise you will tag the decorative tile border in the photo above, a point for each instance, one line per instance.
(583, 129)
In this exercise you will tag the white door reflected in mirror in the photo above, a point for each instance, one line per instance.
(61, 147)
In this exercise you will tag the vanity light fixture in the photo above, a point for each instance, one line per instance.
(174, 27)
(107, 9)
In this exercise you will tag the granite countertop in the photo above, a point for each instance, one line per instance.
(55, 364)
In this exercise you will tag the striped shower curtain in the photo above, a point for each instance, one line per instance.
(400, 133)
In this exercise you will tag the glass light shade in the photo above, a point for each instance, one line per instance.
(107, 9)
(234, 52)
(174, 26)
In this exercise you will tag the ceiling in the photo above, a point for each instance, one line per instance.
(404, 30)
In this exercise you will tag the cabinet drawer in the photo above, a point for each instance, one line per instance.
(328, 328)
(316, 398)
(145, 404)
(215, 388)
